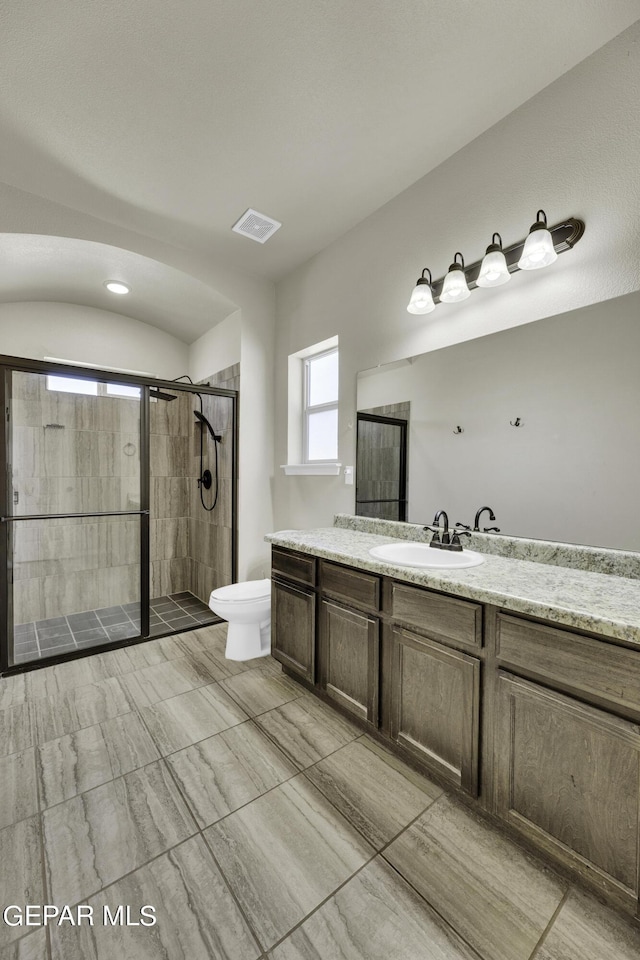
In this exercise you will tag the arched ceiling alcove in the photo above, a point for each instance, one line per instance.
(46, 268)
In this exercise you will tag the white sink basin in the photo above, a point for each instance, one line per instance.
(422, 555)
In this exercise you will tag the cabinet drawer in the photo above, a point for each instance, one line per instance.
(570, 660)
(457, 620)
(356, 588)
(294, 566)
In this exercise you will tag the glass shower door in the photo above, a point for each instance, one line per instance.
(75, 521)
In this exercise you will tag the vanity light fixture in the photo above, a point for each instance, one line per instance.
(421, 300)
(454, 288)
(494, 270)
(115, 286)
(540, 248)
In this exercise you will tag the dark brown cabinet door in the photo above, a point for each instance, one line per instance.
(349, 651)
(569, 778)
(293, 628)
(435, 706)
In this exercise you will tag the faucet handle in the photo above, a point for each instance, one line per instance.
(491, 530)
(459, 533)
(462, 526)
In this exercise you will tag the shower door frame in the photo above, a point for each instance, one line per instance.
(8, 364)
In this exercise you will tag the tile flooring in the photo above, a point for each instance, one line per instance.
(47, 638)
(257, 821)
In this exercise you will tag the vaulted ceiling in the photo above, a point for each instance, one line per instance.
(170, 119)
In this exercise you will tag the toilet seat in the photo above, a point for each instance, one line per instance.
(251, 591)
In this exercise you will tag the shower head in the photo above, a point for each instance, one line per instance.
(205, 423)
(160, 394)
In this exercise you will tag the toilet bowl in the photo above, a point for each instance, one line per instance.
(247, 608)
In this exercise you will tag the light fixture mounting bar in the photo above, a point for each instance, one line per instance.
(565, 236)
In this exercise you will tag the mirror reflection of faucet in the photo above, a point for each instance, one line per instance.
(476, 523)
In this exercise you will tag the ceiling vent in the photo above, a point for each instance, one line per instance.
(256, 226)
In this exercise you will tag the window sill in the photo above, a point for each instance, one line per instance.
(311, 469)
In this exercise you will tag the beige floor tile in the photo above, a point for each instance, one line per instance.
(587, 930)
(307, 730)
(375, 791)
(21, 872)
(375, 916)
(63, 677)
(13, 690)
(224, 772)
(97, 837)
(498, 899)
(82, 760)
(31, 947)
(258, 691)
(197, 916)
(64, 713)
(164, 680)
(190, 717)
(284, 853)
(18, 790)
(129, 659)
(17, 728)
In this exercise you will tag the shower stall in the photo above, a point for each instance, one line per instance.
(118, 502)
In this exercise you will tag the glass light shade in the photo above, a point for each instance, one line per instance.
(421, 299)
(454, 288)
(494, 270)
(538, 250)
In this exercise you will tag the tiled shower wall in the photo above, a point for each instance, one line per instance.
(190, 547)
(210, 534)
(73, 454)
(171, 430)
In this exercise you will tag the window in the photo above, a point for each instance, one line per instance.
(320, 407)
(91, 388)
(88, 388)
(122, 390)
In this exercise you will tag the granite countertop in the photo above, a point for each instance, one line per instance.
(599, 602)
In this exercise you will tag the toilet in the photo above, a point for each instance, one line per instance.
(247, 608)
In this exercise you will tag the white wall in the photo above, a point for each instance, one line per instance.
(248, 336)
(217, 349)
(570, 472)
(573, 150)
(23, 212)
(87, 335)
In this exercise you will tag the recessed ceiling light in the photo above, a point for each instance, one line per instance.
(114, 286)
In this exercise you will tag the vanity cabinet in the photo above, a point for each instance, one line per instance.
(349, 658)
(568, 778)
(435, 706)
(293, 628)
(540, 723)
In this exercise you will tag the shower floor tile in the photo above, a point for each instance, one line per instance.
(58, 635)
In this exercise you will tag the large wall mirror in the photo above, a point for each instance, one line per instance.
(541, 422)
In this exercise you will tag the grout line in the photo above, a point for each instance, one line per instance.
(46, 897)
(552, 921)
(200, 832)
(376, 854)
